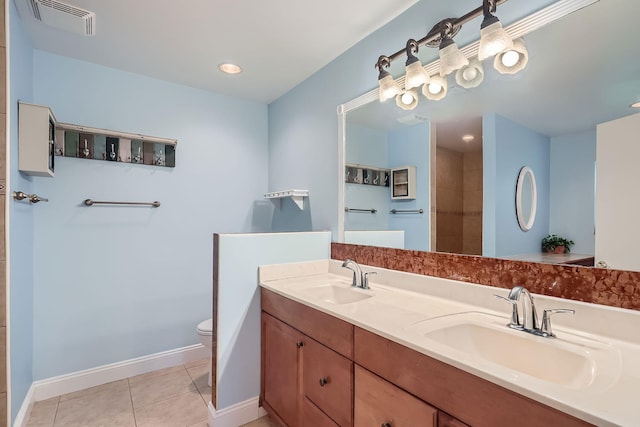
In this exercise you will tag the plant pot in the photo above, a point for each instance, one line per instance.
(560, 250)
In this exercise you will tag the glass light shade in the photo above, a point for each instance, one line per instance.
(407, 100)
(512, 60)
(388, 88)
(451, 58)
(416, 75)
(493, 40)
(470, 75)
(436, 89)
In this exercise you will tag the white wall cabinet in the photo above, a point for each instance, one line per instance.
(36, 139)
(403, 183)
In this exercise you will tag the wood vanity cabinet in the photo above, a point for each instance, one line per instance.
(320, 371)
(305, 381)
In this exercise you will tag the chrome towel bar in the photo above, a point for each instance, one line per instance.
(397, 211)
(372, 210)
(91, 202)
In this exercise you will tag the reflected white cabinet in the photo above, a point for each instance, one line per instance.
(403, 183)
(36, 139)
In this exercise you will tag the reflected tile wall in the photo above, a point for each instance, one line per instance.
(616, 288)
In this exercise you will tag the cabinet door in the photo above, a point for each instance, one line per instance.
(380, 403)
(312, 416)
(446, 420)
(280, 357)
(328, 381)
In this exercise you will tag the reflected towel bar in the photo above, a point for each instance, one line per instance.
(418, 211)
(372, 210)
(91, 202)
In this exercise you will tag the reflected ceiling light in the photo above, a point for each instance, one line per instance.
(493, 38)
(451, 59)
(635, 105)
(436, 89)
(512, 60)
(471, 75)
(388, 88)
(230, 68)
(468, 138)
(415, 75)
(408, 99)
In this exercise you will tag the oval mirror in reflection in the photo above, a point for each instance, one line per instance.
(526, 198)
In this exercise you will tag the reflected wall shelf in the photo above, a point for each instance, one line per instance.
(296, 195)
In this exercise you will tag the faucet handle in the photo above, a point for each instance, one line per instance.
(515, 317)
(365, 279)
(545, 328)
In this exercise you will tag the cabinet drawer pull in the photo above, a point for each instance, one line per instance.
(323, 381)
(299, 344)
(386, 425)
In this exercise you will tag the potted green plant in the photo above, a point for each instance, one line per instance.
(556, 244)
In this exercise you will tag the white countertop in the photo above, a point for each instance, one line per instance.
(403, 306)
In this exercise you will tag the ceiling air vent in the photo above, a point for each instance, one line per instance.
(64, 16)
(412, 119)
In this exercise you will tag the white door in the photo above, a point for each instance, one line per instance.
(618, 193)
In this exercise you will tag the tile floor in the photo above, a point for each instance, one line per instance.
(172, 397)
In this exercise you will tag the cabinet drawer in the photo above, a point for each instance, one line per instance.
(330, 331)
(477, 402)
(328, 381)
(312, 416)
(446, 420)
(378, 402)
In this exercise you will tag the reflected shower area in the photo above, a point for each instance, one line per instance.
(456, 187)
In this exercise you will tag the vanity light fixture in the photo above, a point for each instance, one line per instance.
(229, 68)
(415, 75)
(471, 75)
(512, 60)
(388, 87)
(493, 38)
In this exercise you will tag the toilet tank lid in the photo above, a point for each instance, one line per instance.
(206, 326)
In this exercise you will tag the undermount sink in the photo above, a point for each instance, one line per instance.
(568, 361)
(337, 294)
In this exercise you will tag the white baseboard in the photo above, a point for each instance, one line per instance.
(56, 386)
(235, 415)
(22, 418)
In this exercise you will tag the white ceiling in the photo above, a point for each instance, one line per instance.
(184, 41)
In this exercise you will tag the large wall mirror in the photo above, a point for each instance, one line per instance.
(469, 148)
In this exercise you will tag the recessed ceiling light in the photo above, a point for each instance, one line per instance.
(230, 68)
(468, 138)
(636, 105)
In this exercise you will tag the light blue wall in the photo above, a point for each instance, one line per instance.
(20, 222)
(409, 146)
(368, 147)
(114, 283)
(515, 146)
(239, 303)
(573, 189)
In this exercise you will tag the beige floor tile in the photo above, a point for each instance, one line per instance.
(157, 388)
(115, 385)
(43, 413)
(262, 422)
(107, 408)
(198, 362)
(201, 424)
(200, 376)
(154, 374)
(184, 410)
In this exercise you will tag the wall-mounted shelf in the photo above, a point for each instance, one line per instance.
(403, 183)
(296, 195)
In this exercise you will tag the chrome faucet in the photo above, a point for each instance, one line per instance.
(360, 279)
(529, 315)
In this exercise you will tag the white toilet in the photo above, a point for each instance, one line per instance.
(205, 332)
